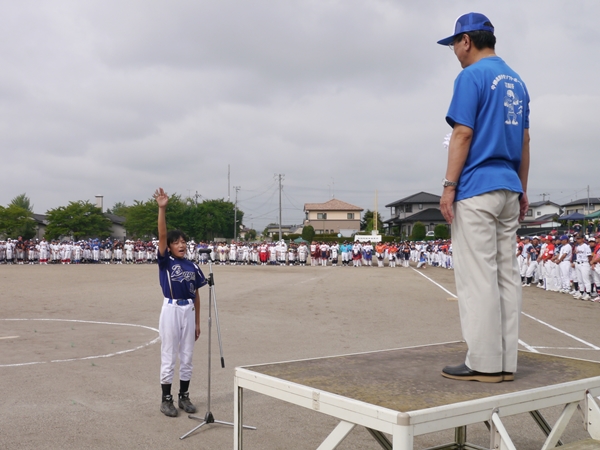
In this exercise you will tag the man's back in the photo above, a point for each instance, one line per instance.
(492, 100)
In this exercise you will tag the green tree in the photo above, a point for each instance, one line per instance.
(250, 235)
(78, 219)
(308, 233)
(17, 221)
(141, 219)
(216, 218)
(22, 201)
(418, 232)
(118, 209)
(441, 231)
(265, 232)
(366, 224)
(200, 221)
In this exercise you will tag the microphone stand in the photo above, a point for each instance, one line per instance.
(212, 302)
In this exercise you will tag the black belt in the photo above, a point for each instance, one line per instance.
(180, 301)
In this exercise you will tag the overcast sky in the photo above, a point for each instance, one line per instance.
(344, 98)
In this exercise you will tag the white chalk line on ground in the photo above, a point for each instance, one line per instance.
(8, 337)
(563, 348)
(524, 344)
(563, 332)
(435, 282)
(86, 357)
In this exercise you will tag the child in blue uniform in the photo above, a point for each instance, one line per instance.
(179, 324)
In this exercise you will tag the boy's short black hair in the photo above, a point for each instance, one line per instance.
(174, 235)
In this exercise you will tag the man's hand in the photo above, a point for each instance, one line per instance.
(446, 203)
(524, 206)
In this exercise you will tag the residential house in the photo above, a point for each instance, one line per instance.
(41, 222)
(421, 207)
(272, 230)
(542, 214)
(333, 217)
(118, 226)
(583, 206)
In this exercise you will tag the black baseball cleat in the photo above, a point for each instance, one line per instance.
(167, 408)
(462, 372)
(185, 403)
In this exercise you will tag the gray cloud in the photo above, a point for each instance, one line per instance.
(344, 98)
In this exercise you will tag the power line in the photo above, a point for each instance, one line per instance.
(290, 200)
(272, 194)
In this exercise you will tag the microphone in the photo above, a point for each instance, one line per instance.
(204, 250)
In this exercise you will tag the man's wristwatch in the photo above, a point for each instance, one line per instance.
(446, 183)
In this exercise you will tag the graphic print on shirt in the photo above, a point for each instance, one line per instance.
(511, 101)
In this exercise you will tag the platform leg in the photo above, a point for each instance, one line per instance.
(460, 435)
(336, 437)
(541, 421)
(592, 416)
(560, 425)
(499, 438)
(381, 439)
(238, 420)
(402, 438)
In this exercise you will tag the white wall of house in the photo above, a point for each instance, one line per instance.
(334, 215)
(542, 210)
(582, 208)
(408, 209)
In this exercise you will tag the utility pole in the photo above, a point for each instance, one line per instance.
(280, 178)
(375, 216)
(588, 193)
(235, 225)
(228, 183)
(543, 195)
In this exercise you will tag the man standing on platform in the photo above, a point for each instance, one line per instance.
(484, 197)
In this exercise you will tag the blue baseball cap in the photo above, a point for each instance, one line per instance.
(469, 22)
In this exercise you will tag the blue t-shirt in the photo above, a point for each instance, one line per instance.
(186, 276)
(492, 100)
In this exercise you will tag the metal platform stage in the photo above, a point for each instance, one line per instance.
(401, 393)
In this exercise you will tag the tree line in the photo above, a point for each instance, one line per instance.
(204, 220)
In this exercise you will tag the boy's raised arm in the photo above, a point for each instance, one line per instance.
(162, 199)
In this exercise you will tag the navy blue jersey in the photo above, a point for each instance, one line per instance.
(186, 277)
(534, 252)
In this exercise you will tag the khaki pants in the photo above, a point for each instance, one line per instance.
(488, 282)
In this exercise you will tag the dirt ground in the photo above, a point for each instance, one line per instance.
(79, 350)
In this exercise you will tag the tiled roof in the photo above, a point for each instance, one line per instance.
(421, 197)
(583, 201)
(540, 220)
(332, 205)
(542, 203)
(119, 220)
